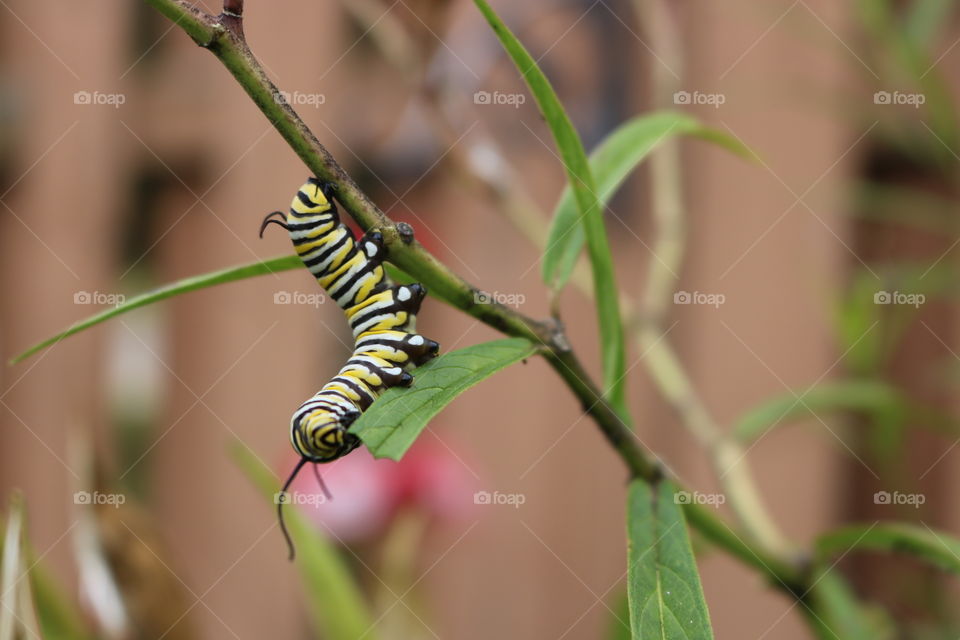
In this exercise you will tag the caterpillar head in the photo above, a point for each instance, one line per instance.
(318, 436)
(322, 436)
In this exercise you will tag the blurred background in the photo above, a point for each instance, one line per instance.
(130, 158)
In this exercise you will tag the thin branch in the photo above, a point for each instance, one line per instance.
(226, 42)
(233, 8)
(223, 36)
(495, 181)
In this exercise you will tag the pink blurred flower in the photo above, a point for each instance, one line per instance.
(368, 493)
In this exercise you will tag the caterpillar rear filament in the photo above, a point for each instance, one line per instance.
(381, 314)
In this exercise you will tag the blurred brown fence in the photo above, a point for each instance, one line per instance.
(102, 199)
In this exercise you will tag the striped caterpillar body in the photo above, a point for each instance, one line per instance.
(382, 316)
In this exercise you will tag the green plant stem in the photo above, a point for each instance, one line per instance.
(508, 197)
(492, 176)
(223, 36)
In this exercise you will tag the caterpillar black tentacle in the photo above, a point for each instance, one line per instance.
(320, 482)
(382, 316)
(270, 218)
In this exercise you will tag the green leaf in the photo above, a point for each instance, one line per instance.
(580, 178)
(394, 421)
(611, 162)
(858, 320)
(56, 615)
(193, 283)
(666, 599)
(18, 615)
(10, 569)
(868, 396)
(936, 547)
(870, 333)
(908, 47)
(909, 206)
(284, 263)
(335, 599)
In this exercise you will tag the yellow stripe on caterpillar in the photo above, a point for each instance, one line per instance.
(382, 316)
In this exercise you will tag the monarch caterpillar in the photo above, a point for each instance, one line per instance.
(382, 316)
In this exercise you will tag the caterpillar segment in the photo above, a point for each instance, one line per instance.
(381, 314)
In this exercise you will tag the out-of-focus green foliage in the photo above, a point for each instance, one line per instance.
(336, 602)
(936, 547)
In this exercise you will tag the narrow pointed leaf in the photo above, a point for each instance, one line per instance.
(186, 285)
(27, 610)
(574, 160)
(394, 421)
(193, 283)
(936, 547)
(611, 162)
(868, 396)
(56, 614)
(10, 569)
(335, 600)
(18, 613)
(666, 598)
